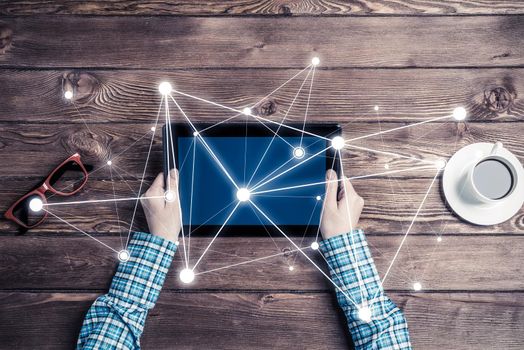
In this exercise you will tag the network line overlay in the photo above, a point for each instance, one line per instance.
(247, 194)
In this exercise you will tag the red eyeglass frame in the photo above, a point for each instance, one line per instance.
(47, 187)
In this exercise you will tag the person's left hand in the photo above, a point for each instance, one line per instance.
(163, 217)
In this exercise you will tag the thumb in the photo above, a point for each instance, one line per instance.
(331, 189)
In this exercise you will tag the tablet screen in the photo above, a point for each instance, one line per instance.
(287, 187)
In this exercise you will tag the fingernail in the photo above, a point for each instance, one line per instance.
(173, 173)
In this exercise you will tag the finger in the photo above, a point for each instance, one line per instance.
(173, 178)
(331, 190)
(347, 189)
(173, 189)
(158, 183)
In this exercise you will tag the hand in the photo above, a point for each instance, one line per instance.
(335, 218)
(163, 217)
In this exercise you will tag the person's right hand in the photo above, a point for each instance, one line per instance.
(335, 217)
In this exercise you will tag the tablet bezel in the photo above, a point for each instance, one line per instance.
(254, 129)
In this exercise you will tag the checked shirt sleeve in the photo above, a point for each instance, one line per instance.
(353, 270)
(116, 320)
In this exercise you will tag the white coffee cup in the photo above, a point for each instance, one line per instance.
(491, 178)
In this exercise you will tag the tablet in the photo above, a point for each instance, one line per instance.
(282, 168)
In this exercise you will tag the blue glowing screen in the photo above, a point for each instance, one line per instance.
(214, 195)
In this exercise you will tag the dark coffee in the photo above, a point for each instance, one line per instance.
(493, 179)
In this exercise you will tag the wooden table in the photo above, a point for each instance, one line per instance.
(414, 59)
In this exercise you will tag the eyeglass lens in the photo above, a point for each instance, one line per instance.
(68, 178)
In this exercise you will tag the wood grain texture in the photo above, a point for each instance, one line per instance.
(200, 42)
(415, 59)
(475, 263)
(262, 7)
(342, 95)
(126, 145)
(269, 320)
(389, 209)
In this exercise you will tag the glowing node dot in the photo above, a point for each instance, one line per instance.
(459, 113)
(187, 276)
(291, 268)
(247, 111)
(169, 196)
(315, 61)
(440, 164)
(364, 314)
(386, 166)
(417, 286)
(298, 152)
(314, 245)
(165, 88)
(376, 108)
(177, 242)
(243, 194)
(439, 239)
(123, 255)
(153, 128)
(337, 142)
(68, 95)
(36, 204)
(318, 198)
(109, 162)
(195, 133)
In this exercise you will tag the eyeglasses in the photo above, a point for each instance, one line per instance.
(65, 180)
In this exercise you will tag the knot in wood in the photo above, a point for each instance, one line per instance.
(266, 107)
(266, 299)
(6, 38)
(83, 86)
(284, 10)
(91, 146)
(498, 99)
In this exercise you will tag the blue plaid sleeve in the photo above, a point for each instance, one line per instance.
(353, 270)
(116, 320)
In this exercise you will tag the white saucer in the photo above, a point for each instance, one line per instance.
(471, 211)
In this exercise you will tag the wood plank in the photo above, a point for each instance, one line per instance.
(390, 207)
(341, 95)
(268, 320)
(198, 42)
(259, 7)
(126, 145)
(477, 263)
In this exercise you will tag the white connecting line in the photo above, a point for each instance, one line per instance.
(422, 167)
(171, 143)
(57, 204)
(79, 230)
(264, 181)
(353, 259)
(407, 232)
(275, 174)
(155, 127)
(251, 261)
(216, 235)
(288, 169)
(300, 250)
(278, 129)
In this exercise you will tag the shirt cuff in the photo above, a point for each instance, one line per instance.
(352, 268)
(138, 281)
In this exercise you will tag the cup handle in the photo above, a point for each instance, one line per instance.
(496, 148)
